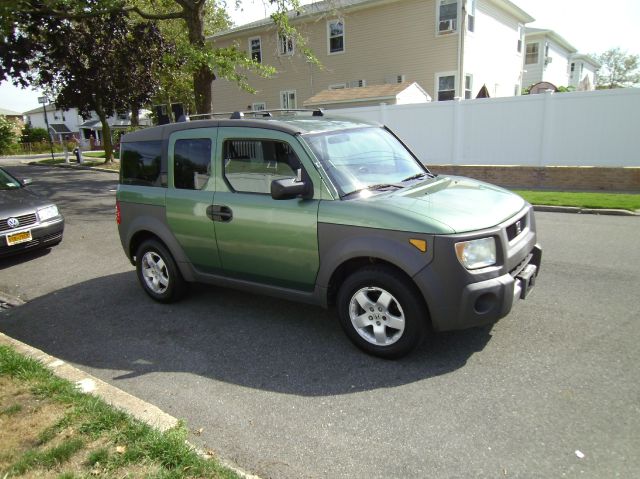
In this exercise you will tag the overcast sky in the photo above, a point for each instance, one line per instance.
(589, 25)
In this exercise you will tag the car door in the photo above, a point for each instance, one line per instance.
(189, 197)
(260, 239)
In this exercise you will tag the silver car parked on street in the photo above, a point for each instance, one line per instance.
(27, 221)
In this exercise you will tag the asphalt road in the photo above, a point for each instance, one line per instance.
(279, 390)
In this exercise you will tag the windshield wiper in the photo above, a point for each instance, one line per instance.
(379, 186)
(418, 176)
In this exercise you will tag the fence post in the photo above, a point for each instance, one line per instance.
(383, 113)
(547, 129)
(456, 131)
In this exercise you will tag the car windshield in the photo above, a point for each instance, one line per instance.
(8, 182)
(365, 159)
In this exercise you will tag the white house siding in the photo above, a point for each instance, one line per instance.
(557, 70)
(491, 52)
(392, 38)
(582, 70)
(71, 118)
(413, 94)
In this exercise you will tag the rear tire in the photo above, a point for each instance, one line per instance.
(158, 273)
(382, 312)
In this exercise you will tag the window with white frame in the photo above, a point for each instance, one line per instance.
(531, 57)
(255, 48)
(259, 106)
(471, 15)
(468, 86)
(335, 36)
(288, 100)
(446, 87)
(447, 16)
(285, 45)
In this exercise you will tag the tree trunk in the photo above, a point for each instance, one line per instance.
(135, 116)
(106, 135)
(202, 85)
(203, 77)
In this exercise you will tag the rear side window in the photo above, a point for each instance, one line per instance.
(191, 163)
(140, 163)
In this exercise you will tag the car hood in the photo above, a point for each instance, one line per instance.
(20, 201)
(463, 204)
(441, 205)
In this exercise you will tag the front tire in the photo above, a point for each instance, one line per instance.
(382, 312)
(158, 273)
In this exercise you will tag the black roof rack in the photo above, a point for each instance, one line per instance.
(238, 115)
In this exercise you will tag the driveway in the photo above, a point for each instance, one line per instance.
(279, 390)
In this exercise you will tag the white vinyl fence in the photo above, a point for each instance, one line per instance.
(598, 128)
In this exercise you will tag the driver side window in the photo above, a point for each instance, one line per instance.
(251, 165)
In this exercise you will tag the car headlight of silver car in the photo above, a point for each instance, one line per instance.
(47, 213)
(478, 253)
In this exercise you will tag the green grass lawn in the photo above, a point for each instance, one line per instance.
(50, 429)
(620, 201)
(99, 154)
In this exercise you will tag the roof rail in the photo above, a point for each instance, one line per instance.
(238, 115)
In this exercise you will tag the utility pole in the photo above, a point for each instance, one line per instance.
(43, 100)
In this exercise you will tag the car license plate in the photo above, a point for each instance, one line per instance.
(17, 238)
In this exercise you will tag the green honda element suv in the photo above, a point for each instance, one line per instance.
(326, 210)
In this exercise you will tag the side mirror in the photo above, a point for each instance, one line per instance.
(26, 181)
(288, 188)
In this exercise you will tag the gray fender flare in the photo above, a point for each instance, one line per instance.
(158, 228)
(339, 244)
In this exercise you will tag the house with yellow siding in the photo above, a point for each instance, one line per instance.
(451, 48)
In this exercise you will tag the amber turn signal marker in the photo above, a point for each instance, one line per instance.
(420, 244)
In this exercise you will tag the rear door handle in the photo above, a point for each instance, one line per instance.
(220, 213)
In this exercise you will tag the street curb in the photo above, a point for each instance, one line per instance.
(11, 301)
(136, 407)
(587, 211)
(74, 167)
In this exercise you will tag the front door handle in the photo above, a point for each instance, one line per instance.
(220, 213)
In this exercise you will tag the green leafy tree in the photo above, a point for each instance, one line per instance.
(619, 69)
(203, 62)
(102, 63)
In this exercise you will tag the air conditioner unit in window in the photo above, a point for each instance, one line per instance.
(447, 25)
(357, 83)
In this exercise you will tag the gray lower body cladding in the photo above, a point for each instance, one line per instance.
(456, 298)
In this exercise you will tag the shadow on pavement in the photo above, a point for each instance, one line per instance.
(254, 341)
(23, 257)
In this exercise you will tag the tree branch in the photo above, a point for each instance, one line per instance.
(152, 16)
(97, 13)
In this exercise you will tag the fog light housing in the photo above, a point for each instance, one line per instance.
(476, 254)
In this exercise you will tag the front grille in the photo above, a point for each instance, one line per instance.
(25, 220)
(517, 227)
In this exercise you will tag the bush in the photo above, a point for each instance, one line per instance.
(34, 135)
(8, 136)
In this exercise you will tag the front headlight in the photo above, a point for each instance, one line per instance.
(476, 254)
(47, 213)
